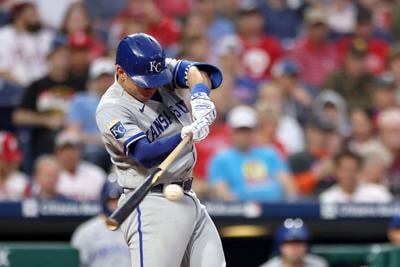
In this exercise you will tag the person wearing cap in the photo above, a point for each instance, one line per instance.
(245, 172)
(377, 49)
(349, 187)
(46, 101)
(292, 239)
(315, 55)
(24, 46)
(393, 230)
(79, 180)
(383, 93)
(97, 245)
(81, 116)
(312, 167)
(79, 44)
(297, 98)
(12, 182)
(353, 81)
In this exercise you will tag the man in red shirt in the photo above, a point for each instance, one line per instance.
(314, 54)
(259, 51)
(377, 49)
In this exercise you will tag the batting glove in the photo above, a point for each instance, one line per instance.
(202, 107)
(199, 129)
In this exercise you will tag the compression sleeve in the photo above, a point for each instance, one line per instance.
(150, 154)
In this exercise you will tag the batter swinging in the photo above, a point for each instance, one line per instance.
(142, 119)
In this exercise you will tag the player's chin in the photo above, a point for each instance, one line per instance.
(147, 93)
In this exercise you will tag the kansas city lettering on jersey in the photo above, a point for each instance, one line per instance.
(164, 120)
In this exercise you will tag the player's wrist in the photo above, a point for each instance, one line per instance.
(200, 88)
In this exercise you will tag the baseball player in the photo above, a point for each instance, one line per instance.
(98, 246)
(142, 119)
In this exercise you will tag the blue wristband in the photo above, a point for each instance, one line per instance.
(200, 88)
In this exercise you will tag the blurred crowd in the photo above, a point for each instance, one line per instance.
(308, 109)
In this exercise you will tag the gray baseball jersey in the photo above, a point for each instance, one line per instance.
(123, 119)
(159, 232)
(100, 247)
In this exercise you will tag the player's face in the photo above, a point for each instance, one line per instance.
(242, 138)
(142, 94)
(293, 252)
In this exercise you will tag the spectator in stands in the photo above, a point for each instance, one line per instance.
(292, 239)
(79, 45)
(394, 66)
(269, 119)
(342, 16)
(238, 87)
(314, 54)
(97, 245)
(353, 81)
(53, 12)
(330, 106)
(393, 231)
(79, 180)
(24, 46)
(217, 26)
(78, 20)
(259, 51)
(12, 182)
(349, 188)
(101, 75)
(297, 99)
(129, 21)
(284, 29)
(383, 94)
(228, 9)
(216, 141)
(289, 133)
(195, 48)
(103, 12)
(362, 139)
(46, 101)
(147, 18)
(376, 48)
(245, 172)
(389, 132)
(46, 176)
(313, 167)
(376, 162)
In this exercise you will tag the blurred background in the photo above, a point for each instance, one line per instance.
(302, 165)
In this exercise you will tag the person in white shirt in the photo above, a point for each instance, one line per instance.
(97, 245)
(79, 180)
(349, 188)
(24, 46)
(12, 182)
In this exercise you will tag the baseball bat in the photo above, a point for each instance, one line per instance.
(114, 221)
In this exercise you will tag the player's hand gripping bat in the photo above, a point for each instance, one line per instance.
(121, 213)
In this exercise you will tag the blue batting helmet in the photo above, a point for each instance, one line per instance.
(292, 230)
(143, 59)
(110, 190)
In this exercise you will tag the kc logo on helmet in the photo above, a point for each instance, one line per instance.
(155, 66)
